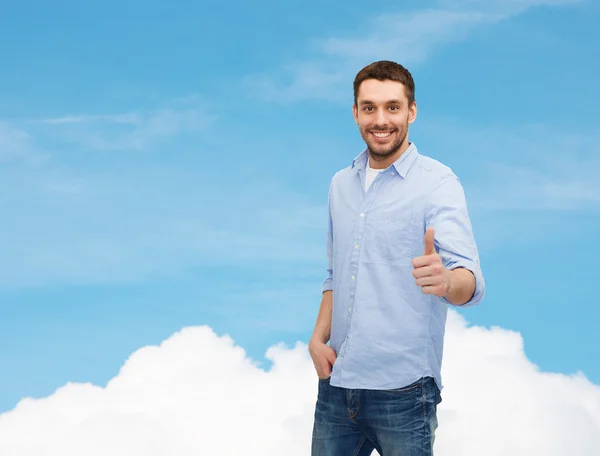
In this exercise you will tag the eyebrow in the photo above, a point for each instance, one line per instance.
(364, 102)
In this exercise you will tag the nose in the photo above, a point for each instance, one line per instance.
(380, 117)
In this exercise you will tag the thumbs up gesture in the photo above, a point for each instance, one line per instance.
(429, 271)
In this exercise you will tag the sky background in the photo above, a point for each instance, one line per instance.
(166, 166)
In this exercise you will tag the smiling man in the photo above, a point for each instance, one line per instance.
(400, 250)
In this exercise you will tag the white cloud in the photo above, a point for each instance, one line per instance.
(407, 37)
(523, 167)
(198, 393)
(134, 130)
(13, 142)
(131, 118)
(565, 188)
(505, 7)
(18, 144)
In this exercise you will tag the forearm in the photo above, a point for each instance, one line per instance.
(322, 329)
(462, 286)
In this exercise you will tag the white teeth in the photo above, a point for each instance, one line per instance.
(382, 135)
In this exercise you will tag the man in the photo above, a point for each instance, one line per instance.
(400, 250)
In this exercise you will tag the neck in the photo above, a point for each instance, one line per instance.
(376, 162)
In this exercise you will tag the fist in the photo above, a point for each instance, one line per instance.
(429, 271)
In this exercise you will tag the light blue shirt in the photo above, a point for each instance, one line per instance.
(386, 332)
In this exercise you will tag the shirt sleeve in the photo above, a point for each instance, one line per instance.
(328, 282)
(454, 241)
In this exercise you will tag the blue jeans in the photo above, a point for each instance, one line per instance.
(399, 422)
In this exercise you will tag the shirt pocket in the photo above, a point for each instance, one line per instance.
(398, 236)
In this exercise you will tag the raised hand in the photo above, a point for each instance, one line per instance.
(429, 270)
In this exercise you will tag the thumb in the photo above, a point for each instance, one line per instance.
(429, 245)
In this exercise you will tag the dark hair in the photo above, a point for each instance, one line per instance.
(385, 69)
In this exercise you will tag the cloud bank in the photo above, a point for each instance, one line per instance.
(198, 393)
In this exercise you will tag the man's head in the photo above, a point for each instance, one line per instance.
(384, 106)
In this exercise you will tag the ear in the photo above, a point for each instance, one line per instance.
(355, 113)
(412, 113)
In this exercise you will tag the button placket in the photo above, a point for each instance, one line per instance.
(358, 242)
(370, 197)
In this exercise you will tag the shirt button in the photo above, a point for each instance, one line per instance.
(353, 277)
(355, 246)
(362, 214)
(349, 309)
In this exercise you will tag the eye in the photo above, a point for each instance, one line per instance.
(368, 108)
(394, 108)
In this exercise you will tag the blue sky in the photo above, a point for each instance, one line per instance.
(165, 166)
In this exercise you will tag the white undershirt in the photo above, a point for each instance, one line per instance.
(371, 175)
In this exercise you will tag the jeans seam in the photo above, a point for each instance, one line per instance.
(360, 445)
(425, 423)
(351, 415)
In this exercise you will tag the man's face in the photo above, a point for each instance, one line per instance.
(383, 115)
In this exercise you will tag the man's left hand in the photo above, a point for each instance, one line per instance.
(429, 271)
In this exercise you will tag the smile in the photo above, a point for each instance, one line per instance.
(381, 134)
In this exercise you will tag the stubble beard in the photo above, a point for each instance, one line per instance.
(377, 153)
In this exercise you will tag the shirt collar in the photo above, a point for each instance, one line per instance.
(402, 165)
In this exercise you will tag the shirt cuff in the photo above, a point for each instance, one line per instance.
(479, 283)
(327, 285)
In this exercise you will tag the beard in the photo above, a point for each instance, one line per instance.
(383, 151)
